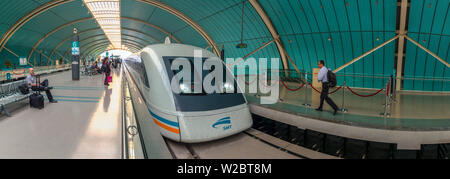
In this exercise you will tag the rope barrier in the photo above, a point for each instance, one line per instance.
(388, 87)
(315, 89)
(284, 84)
(364, 96)
(19, 73)
(249, 83)
(337, 89)
(266, 85)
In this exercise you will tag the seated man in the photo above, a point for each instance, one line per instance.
(31, 81)
(94, 68)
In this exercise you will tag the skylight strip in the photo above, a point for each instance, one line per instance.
(107, 14)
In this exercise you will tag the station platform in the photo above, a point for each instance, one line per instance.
(86, 123)
(415, 118)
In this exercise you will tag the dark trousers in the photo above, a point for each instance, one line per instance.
(44, 87)
(106, 78)
(324, 97)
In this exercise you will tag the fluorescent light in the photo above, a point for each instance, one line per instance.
(107, 14)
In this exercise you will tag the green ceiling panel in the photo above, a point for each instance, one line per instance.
(336, 31)
(428, 25)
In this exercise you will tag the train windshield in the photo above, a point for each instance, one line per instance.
(193, 96)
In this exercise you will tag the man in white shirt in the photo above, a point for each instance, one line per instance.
(323, 77)
(35, 86)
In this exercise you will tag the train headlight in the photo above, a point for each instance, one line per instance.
(228, 88)
(185, 88)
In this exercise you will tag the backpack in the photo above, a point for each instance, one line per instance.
(24, 89)
(332, 81)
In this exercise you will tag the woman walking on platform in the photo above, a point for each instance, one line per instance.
(106, 68)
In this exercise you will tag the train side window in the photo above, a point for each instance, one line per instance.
(143, 73)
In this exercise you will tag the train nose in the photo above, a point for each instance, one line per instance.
(212, 127)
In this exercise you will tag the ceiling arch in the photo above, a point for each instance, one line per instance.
(186, 19)
(70, 37)
(91, 18)
(89, 30)
(7, 35)
(45, 7)
(336, 31)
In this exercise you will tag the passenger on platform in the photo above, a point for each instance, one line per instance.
(31, 81)
(106, 68)
(95, 68)
(323, 77)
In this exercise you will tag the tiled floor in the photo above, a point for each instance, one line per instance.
(409, 112)
(86, 122)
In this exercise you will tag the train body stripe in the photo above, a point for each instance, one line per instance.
(165, 121)
(168, 128)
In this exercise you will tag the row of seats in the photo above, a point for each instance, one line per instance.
(10, 93)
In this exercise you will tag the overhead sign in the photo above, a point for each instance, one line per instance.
(23, 61)
(75, 48)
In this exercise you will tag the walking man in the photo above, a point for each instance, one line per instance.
(323, 77)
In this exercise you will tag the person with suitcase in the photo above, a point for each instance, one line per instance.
(34, 83)
(106, 68)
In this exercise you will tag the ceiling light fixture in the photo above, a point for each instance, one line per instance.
(107, 14)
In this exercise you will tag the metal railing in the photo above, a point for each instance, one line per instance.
(141, 137)
(21, 73)
(352, 88)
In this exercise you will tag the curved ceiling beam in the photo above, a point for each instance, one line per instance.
(105, 46)
(93, 44)
(117, 49)
(130, 49)
(131, 45)
(154, 26)
(95, 49)
(263, 15)
(129, 40)
(56, 30)
(70, 37)
(104, 41)
(54, 50)
(149, 36)
(91, 18)
(186, 19)
(22, 21)
(101, 48)
(146, 41)
(100, 51)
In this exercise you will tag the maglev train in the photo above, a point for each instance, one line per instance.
(186, 117)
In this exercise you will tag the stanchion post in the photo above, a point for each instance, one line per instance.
(387, 103)
(306, 92)
(343, 98)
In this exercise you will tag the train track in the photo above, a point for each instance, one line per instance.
(251, 144)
